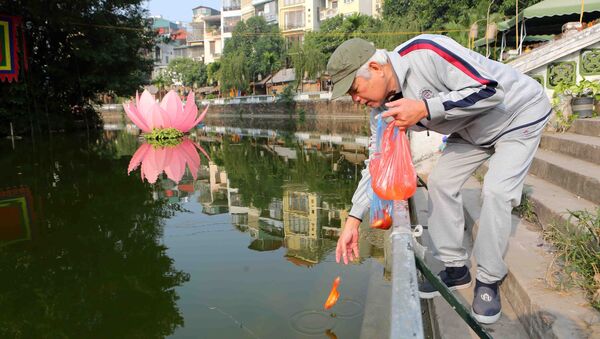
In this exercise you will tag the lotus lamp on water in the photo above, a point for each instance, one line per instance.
(170, 116)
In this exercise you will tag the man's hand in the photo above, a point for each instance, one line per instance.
(347, 245)
(406, 112)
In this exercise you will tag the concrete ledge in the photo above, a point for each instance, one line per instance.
(586, 127)
(578, 176)
(544, 312)
(551, 203)
(583, 147)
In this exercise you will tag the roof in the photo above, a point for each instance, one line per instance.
(560, 7)
(284, 75)
(550, 8)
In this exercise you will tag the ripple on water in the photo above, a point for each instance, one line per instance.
(312, 322)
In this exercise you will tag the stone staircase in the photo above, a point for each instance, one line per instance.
(565, 175)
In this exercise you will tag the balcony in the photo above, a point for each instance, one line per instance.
(269, 17)
(234, 7)
(327, 13)
(260, 2)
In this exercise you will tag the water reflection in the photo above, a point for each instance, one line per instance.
(245, 227)
(94, 266)
(283, 190)
(171, 159)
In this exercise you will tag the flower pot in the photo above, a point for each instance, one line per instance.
(583, 107)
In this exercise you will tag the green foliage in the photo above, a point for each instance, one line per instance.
(287, 96)
(334, 31)
(308, 60)
(191, 73)
(254, 48)
(564, 122)
(164, 137)
(213, 71)
(578, 249)
(234, 71)
(526, 209)
(584, 88)
(76, 49)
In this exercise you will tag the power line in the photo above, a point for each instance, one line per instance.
(333, 34)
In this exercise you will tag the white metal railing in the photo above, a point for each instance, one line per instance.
(260, 99)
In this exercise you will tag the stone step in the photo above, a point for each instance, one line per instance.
(545, 312)
(580, 146)
(575, 175)
(551, 203)
(589, 127)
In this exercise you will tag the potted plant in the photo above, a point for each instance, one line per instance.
(583, 95)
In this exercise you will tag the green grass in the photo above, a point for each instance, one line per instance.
(577, 261)
(526, 209)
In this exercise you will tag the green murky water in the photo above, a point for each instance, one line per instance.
(244, 250)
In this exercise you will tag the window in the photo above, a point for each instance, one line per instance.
(157, 53)
(293, 19)
(231, 5)
(229, 23)
(292, 2)
(211, 46)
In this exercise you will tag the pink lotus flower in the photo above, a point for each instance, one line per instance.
(170, 159)
(147, 114)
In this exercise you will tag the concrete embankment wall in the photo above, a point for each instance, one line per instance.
(337, 117)
(319, 116)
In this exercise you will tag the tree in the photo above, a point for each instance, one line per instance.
(308, 60)
(255, 44)
(336, 30)
(190, 72)
(77, 49)
(234, 72)
(213, 72)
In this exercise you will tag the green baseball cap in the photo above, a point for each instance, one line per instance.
(345, 62)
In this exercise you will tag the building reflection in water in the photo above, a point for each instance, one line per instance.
(291, 191)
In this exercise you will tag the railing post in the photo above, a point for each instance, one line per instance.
(406, 320)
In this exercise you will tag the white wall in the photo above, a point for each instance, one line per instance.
(542, 71)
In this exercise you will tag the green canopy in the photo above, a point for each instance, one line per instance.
(549, 8)
(560, 7)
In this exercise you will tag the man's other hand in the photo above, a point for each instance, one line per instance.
(406, 112)
(347, 245)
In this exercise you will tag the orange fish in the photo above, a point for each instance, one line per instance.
(383, 223)
(333, 295)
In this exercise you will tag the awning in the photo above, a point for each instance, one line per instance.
(560, 7)
(550, 8)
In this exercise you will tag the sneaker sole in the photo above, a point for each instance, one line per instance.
(486, 319)
(431, 295)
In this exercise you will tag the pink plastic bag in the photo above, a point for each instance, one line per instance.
(393, 175)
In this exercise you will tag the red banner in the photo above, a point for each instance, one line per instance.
(9, 47)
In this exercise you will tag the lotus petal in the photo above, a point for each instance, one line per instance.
(145, 104)
(138, 157)
(134, 115)
(175, 168)
(173, 108)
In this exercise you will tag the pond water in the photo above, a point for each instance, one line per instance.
(238, 246)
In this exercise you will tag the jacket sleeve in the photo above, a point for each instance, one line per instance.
(470, 88)
(361, 200)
